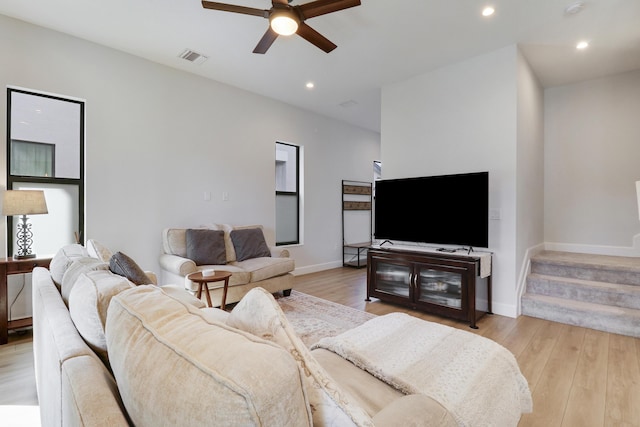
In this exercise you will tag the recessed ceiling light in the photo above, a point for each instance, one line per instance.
(488, 11)
(310, 85)
(582, 45)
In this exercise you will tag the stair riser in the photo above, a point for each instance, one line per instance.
(623, 324)
(586, 293)
(586, 273)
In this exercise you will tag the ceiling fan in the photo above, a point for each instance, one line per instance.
(285, 19)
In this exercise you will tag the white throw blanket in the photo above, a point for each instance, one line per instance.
(476, 379)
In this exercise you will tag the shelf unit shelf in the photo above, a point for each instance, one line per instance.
(356, 196)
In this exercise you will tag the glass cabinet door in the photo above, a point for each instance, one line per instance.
(440, 287)
(392, 278)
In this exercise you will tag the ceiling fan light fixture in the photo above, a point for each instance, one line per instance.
(283, 23)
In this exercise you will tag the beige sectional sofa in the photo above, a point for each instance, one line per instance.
(112, 352)
(157, 358)
(272, 271)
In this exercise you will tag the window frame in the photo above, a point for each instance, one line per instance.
(292, 193)
(17, 179)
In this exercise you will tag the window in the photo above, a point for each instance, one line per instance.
(32, 158)
(45, 151)
(287, 194)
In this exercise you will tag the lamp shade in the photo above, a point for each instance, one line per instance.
(24, 202)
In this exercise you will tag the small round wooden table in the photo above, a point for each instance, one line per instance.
(203, 282)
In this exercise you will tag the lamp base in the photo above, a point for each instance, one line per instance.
(24, 256)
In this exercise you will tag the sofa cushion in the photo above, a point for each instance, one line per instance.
(174, 241)
(180, 293)
(259, 313)
(175, 367)
(97, 250)
(73, 272)
(371, 393)
(206, 247)
(249, 243)
(88, 303)
(63, 259)
(415, 410)
(125, 266)
(265, 268)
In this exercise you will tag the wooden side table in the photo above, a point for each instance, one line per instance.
(15, 266)
(203, 282)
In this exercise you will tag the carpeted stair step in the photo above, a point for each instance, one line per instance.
(617, 320)
(614, 294)
(601, 268)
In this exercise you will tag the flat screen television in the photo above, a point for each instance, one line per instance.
(443, 209)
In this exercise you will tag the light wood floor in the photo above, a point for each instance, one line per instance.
(578, 377)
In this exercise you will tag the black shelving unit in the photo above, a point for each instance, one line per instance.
(356, 196)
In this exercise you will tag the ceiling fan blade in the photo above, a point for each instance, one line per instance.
(266, 41)
(233, 8)
(279, 1)
(322, 7)
(314, 37)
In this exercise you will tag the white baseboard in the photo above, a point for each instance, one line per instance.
(507, 310)
(632, 251)
(307, 269)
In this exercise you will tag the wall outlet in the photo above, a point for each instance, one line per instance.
(225, 196)
(207, 196)
(494, 214)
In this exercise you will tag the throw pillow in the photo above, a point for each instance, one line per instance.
(259, 314)
(206, 247)
(98, 250)
(165, 353)
(249, 243)
(88, 303)
(125, 266)
(63, 259)
(75, 270)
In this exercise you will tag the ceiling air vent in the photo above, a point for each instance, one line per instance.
(192, 56)
(348, 104)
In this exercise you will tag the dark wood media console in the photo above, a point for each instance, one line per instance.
(447, 284)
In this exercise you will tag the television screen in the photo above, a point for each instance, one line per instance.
(444, 209)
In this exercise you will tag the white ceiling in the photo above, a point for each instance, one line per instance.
(379, 42)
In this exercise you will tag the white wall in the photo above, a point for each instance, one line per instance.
(530, 168)
(592, 160)
(462, 118)
(157, 139)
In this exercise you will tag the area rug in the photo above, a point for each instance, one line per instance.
(314, 318)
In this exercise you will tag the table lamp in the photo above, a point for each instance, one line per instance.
(24, 202)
